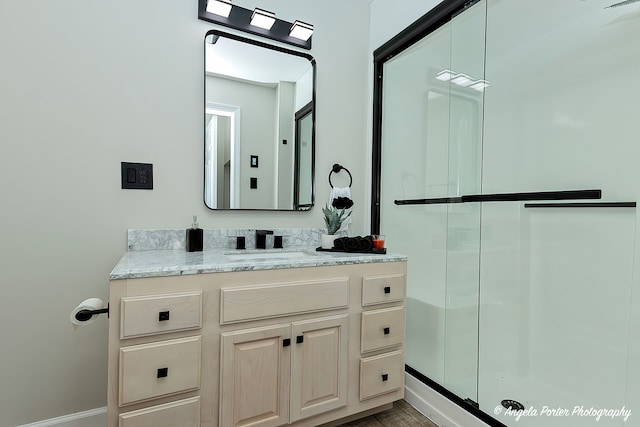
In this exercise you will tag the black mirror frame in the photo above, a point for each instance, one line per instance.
(311, 105)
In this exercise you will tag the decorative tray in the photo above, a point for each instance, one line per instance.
(370, 251)
(357, 245)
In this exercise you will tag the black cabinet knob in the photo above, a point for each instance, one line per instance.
(162, 316)
(387, 289)
(299, 339)
(286, 342)
(385, 377)
(163, 372)
(240, 242)
(387, 331)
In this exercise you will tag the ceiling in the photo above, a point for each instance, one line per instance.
(246, 61)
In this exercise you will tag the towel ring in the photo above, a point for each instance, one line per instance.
(337, 168)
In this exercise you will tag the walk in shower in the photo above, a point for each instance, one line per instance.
(507, 137)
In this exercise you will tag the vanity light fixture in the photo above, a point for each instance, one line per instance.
(462, 80)
(219, 7)
(480, 85)
(263, 18)
(444, 75)
(258, 22)
(301, 30)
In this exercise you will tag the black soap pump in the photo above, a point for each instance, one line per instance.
(195, 237)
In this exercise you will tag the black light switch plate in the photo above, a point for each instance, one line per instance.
(137, 176)
(253, 183)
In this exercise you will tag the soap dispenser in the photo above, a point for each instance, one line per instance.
(195, 237)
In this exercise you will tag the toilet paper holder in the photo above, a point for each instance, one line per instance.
(84, 315)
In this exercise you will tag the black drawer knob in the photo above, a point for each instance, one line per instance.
(286, 342)
(385, 377)
(299, 339)
(163, 372)
(387, 289)
(387, 331)
(163, 315)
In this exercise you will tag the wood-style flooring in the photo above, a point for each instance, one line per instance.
(401, 415)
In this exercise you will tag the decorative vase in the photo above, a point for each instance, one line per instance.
(327, 241)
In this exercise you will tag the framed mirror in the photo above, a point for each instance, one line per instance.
(259, 147)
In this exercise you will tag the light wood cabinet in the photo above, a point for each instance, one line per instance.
(381, 374)
(300, 347)
(382, 328)
(319, 366)
(159, 314)
(383, 289)
(181, 413)
(281, 299)
(278, 374)
(254, 377)
(157, 369)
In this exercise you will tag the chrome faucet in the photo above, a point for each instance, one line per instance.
(261, 238)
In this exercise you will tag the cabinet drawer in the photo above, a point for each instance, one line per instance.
(182, 413)
(158, 369)
(381, 289)
(157, 314)
(381, 374)
(382, 328)
(282, 299)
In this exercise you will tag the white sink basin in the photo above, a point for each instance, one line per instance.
(269, 255)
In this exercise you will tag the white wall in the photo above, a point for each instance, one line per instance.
(388, 19)
(283, 179)
(80, 93)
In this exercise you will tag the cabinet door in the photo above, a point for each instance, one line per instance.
(319, 366)
(254, 377)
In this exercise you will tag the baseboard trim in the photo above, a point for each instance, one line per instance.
(436, 407)
(430, 403)
(427, 401)
(92, 418)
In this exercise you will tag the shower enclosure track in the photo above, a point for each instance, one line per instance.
(507, 197)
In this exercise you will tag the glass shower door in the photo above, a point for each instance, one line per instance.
(415, 131)
(466, 108)
(556, 282)
(432, 148)
(523, 301)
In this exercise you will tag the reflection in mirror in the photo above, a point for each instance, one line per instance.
(259, 125)
(303, 166)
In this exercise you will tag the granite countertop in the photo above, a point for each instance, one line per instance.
(155, 263)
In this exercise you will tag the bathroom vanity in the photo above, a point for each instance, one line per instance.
(264, 338)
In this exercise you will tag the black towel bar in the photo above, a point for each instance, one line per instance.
(508, 197)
